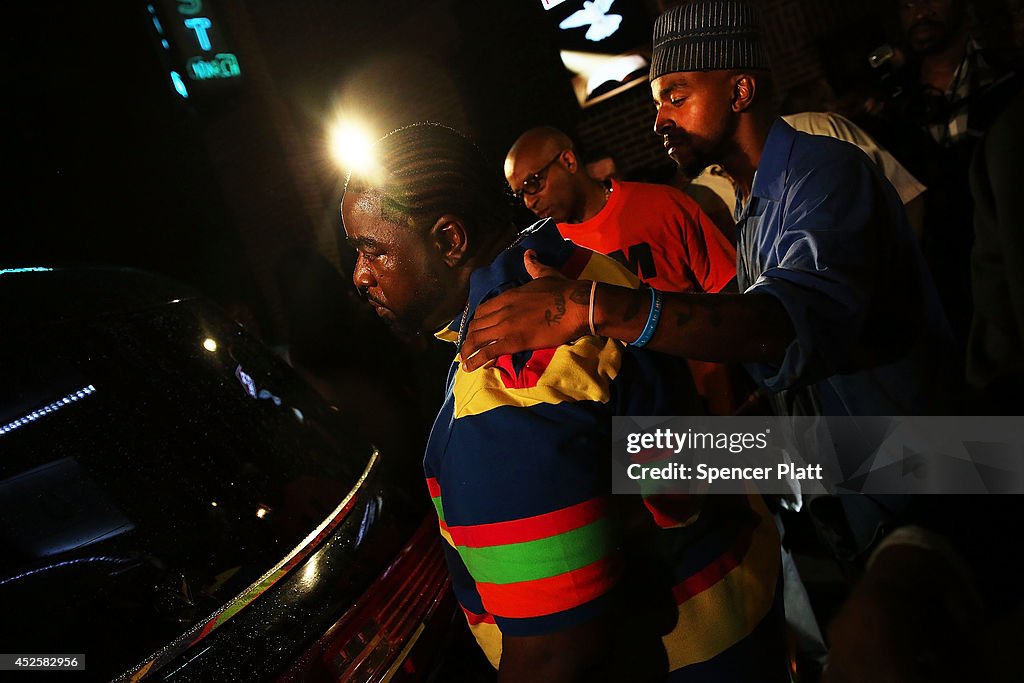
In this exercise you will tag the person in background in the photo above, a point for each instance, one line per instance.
(833, 125)
(715, 193)
(601, 166)
(915, 616)
(995, 362)
(713, 187)
(939, 600)
(951, 89)
(1015, 8)
(956, 87)
(656, 231)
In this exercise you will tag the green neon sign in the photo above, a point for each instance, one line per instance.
(221, 65)
(190, 7)
(201, 56)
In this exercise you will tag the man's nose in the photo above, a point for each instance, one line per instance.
(531, 200)
(362, 278)
(663, 123)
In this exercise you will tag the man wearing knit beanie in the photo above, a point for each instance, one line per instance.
(837, 315)
(711, 51)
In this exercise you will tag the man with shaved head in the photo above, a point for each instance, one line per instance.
(656, 231)
(569, 196)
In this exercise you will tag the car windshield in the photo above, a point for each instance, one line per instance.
(152, 466)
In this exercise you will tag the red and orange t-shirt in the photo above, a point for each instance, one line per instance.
(661, 235)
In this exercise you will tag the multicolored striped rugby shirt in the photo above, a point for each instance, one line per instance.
(518, 467)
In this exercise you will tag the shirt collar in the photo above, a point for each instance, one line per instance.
(613, 199)
(507, 270)
(770, 178)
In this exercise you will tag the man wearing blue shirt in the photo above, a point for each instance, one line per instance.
(837, 315)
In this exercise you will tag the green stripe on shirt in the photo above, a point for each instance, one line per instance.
(540, 559)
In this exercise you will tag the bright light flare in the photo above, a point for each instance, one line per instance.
(352, 145)
(210, 345)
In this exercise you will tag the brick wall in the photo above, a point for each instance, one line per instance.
(623, 126)
(792, 29)
(790, 48)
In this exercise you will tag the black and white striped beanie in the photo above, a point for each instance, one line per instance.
(707, 35)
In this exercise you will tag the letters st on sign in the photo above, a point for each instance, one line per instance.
(196, 41)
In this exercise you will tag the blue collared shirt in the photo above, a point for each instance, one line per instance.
(507, 269)
(825, 234)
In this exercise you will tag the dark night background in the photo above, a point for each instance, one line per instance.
(106, 163)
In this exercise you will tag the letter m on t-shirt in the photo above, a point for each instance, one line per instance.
(640, 260)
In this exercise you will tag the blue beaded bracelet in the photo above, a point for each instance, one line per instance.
(657, 301)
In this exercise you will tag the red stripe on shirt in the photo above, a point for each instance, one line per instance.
(531, 373)
(649, 455)
(529, 528)
(716, 570)
(526, 599)
(433, 487)
(672, 509)
(475, 619)
(576, 262)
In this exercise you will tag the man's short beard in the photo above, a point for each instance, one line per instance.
(694, 167)
(404, 332)
(948, 31)
(934, 47)
(695, 163)
(426, 314)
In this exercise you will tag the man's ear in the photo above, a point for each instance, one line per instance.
(570, 161)
(450, 238)
(744, 91)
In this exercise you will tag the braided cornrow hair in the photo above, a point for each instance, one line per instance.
(426, 170)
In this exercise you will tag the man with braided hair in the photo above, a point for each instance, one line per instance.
(518, 461)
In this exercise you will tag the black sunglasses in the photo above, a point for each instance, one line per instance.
(535, 183)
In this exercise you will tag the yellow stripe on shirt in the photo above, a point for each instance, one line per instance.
(581, 371)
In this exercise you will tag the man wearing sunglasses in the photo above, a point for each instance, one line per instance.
(656, 231)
